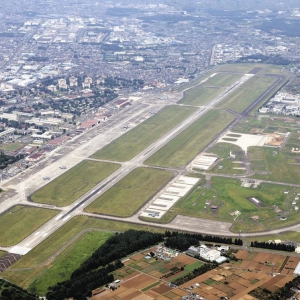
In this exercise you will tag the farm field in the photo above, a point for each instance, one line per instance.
(241, 98)
(74, 183)
(133, 142)
(125, 197)
(70, 259)
(20, 221)
(179, 151)
(34, 263)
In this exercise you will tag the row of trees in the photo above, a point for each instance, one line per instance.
(95, 271)
(195, 273)
(274, 246)
(10, 291)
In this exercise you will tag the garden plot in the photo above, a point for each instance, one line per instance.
(169, 196)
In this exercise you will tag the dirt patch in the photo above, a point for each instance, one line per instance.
(256, 130)
(275, 139)
(162, 289)
(139, 282)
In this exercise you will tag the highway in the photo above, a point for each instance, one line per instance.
(88, 146)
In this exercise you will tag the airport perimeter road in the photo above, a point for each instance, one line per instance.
(77, 208)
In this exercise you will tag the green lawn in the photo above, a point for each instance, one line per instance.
(74, 183)
(247, 93)
(133, 142)
(200, 95)
(2, 253)
(124, 198)
(179, 151)
(55, 242)
(69, 260)
(20, 221)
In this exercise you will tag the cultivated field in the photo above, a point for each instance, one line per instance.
(20, 221)
(70, 259)
(140, 137)
(74, 183)
(125, 197)
(192, 140)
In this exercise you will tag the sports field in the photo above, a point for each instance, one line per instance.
(12, 146)
(179, 151)
(20, 221)
(130, 193)
(74, 183)
(140, 137)
(69, 260)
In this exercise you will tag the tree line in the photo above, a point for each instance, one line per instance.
(273, 246)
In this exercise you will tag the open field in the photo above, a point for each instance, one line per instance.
(222, 80)
(20, 221)
(2, 253)
(240, 68)
(69, 260)
(74, 183)
(184, 147)
(11, 147)
(245, 95)
(226, 164)
(133, 142)
(124, 198)
(40, 254)
(200, 95)
(272, 164)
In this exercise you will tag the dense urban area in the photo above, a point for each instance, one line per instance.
(149, 150)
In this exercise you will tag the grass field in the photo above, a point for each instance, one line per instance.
(2, 253)
(56, 241)
(222, 79)
(184, 147)
(130, 144)
(12, 146)
(74, 183)
(124, 198)
(69, 260)
(225, 164)
(246, 94)
(200, 95)
(272, 164)
(15, 222)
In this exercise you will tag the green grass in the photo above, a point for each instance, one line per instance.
(56, 241)
(20, 221)
(12, 147)
(241, 68)
(222, 80)
(184, 147)
(200, 95)
(124, 198)
(151, 286)
(246, 94)
(133, 142)
(277, 166)
(188, 269)
(69, 260)
(74, 183)
(2, 253)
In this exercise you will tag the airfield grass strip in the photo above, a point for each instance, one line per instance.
(139, 138)
(179, 151)
(69, 260)
(130, 193)
(74, 183)
(20, 221)
(56, 241)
